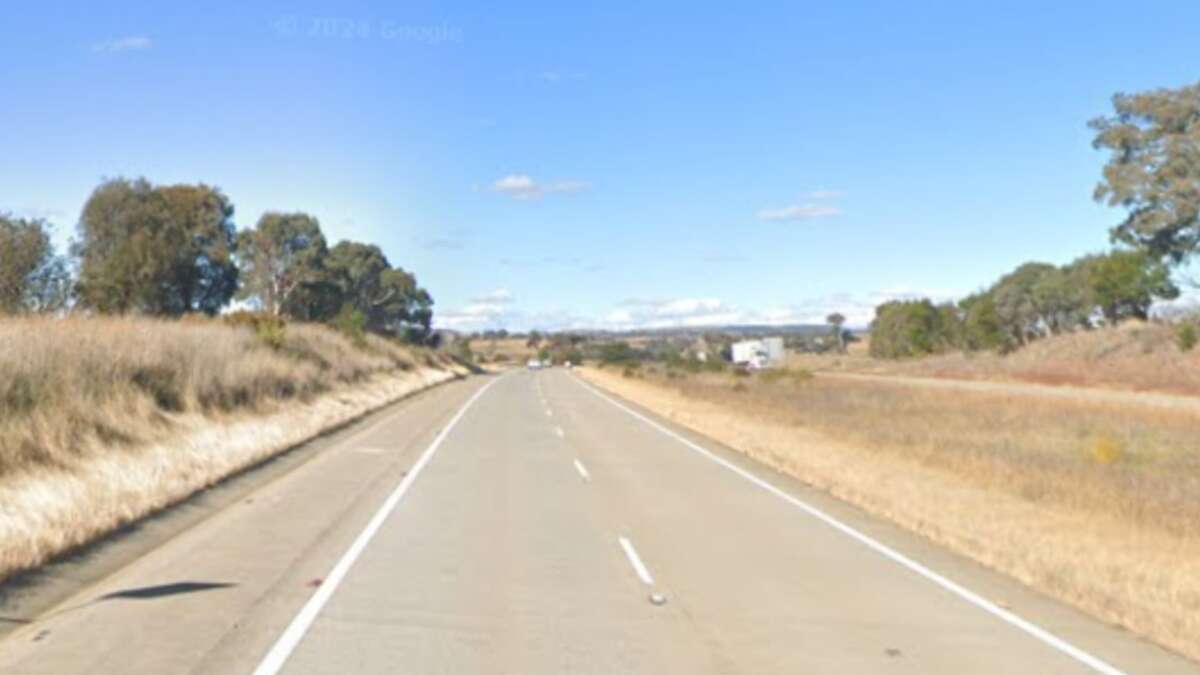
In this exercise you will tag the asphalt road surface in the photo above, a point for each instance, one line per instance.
(529, 523)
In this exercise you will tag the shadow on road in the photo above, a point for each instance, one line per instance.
(140, 593)
(164, 590)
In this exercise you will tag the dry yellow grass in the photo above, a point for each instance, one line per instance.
(1096, 503)
(1135, 356)
(105, 420)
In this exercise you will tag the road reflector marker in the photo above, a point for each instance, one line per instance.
(638, 566)
(583, 472)
(658, 599)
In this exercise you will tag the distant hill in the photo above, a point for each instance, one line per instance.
(733, 330)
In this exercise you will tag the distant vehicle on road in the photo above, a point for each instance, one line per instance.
(534, 364)
(758, 354)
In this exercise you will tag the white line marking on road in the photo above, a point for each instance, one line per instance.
(583, 472)
(558, 431)
(549, 412)
(638, 565)
(295, 631)
(979, 601)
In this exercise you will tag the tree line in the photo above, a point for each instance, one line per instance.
(170, 250)
(1153, 173)
(1033, 301)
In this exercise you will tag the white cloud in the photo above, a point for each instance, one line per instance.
(671, 312)
(474, 316)
(491, 309)
(523, 186)
(499, 309)
(859, 310)
(799, 212)
(500, 296)
(124, 44)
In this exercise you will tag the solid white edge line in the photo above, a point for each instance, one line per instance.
(979, 601)
(283, 647)
(582, 470)
(638, 565)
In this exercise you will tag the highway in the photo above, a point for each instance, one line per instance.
(529, 523)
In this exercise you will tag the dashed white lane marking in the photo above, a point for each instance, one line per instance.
(1032, 629)
(295, 631)
(638, 565)
(549, 412)
(583, 472)
(558, 431)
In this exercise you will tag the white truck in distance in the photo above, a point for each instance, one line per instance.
(759, 353)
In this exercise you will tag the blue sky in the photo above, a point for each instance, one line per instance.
(554, 165)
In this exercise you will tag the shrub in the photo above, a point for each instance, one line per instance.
(617, 353)
(1185, 336)
(351, 323)
(905, 329)
(266, 327)
(462, 351)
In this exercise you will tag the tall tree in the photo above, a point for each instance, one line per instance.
(403, 307)
(282, 254)
(1062, 299)
(357, 269)
(1153, 171)
(388, 297)
(161, 250)
(981, 327)
(906, 328)
(1016, 304)
(836, 321)
(32, 276)
(1124, 284)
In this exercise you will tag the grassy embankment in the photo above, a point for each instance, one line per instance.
(1134, 356)
(103, 421)
(1094, 502)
